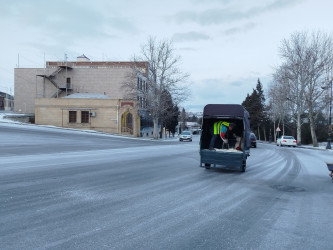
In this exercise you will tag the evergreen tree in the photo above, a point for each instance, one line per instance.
(172, 122)
(169, 113)
(183, 120)
(255, 105)
(192, 118)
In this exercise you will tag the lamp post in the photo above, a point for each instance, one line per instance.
(328, 146)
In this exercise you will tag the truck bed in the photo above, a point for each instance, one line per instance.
(226, 157)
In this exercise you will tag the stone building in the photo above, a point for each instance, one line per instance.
(90, 112)
(60, 79)
(6, 102)
(49, 94)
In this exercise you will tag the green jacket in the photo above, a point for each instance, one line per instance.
(218, 126)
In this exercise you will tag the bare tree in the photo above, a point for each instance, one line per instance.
(279, 107)
(293, 52)
(163, 75)
(319, 57)
(300, 77)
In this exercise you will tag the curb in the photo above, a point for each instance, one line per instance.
(301, 146)
(91, 132)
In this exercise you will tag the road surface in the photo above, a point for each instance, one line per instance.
(61, 189)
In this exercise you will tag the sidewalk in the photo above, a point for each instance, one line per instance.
(16, 121)
(321, 145)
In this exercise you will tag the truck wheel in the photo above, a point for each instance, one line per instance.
(243, 168)
(207, 165)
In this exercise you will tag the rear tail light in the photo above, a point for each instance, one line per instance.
(295, 141)
(284, 141)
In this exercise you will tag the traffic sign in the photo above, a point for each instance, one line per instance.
(278, 129)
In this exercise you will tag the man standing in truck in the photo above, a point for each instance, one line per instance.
(220, 128)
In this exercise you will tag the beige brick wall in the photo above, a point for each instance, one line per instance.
(28, 86)
(103, 80)
(109, 112)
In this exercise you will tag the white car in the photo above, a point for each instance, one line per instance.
(185, 136)
(286, 140)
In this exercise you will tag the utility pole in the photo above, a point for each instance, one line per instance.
(328, 146)
(66, 72)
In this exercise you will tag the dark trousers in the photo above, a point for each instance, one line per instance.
(212, 141)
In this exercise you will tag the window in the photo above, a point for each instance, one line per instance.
(145, 86)
(72, 116)
(146, 103)
(68, 83)
(141, 102)
(84, 116)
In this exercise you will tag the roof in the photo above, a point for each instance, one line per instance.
(8, 96)
(233, 110)
(88, 64)
(192, 124)
(88, 96)
(83, 56)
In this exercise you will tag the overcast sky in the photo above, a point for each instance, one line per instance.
(225, 45)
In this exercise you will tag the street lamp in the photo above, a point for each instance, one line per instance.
(330, 121)
(328, 146)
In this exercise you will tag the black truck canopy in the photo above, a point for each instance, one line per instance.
(225, 110)
(230, 111)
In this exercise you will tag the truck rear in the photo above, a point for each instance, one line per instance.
(235, 152)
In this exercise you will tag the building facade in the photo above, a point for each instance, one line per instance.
(51, 94)
(6, 102)
(89, 112)
(60, 79)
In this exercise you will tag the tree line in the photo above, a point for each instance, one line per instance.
(300, 96)
(298, 99)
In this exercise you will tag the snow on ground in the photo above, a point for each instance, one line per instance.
(4, 117)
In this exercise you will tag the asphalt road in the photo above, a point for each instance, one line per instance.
(74, 190)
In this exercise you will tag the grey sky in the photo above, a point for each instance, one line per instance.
(225, 45)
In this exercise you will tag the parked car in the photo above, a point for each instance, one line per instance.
(253, 140)
(286, 140)
(185, 136)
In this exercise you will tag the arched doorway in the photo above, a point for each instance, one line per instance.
(127, 123)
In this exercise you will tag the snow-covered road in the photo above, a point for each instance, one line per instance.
(77, 190)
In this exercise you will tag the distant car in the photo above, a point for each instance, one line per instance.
(286, 140)
(185, 136)
(253, 140)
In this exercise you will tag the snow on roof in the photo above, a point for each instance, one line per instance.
(83, 56)
(88, 96)
(192, 124)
